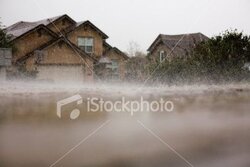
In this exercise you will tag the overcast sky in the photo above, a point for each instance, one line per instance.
(137, 20)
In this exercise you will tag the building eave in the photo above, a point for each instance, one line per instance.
(92, 25)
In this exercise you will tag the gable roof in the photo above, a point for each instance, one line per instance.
(107, 45)
(49, 21)
(181, 43)
(22, 27)
(87, 22)
(107, 60)
(120, 53)
(53, 42)
(109, 48)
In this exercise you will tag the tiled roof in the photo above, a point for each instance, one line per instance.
(184, 40)
(22, 27)
(48, 20)
(181, 44)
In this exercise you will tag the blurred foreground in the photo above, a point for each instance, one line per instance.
(210, 127)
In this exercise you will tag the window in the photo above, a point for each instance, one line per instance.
(86, 44)
(162, 56)
(113, 65)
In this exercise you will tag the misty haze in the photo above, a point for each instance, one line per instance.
(124, 83)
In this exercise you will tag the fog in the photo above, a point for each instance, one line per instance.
(207, 119)
(209, 126)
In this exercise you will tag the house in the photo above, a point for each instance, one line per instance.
(58, 49)
(111, 65)
(170, 46)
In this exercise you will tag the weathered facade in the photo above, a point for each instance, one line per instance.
(31, 40)
(88, 30)
(59, 49)
(77, 67)
(171, 46)
(114, 62)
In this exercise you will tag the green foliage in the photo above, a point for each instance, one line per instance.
(5, 40)
(220, 59)
(230, 48)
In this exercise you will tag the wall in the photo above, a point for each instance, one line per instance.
(87, 31)
(62, 54)
(114, 55)
(29, 42)
(155, 54)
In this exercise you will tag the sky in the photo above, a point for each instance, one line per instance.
(137, 21)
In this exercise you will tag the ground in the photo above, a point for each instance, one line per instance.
(209, 126)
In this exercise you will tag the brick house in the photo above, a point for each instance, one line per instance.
(174, 46)
(59, 49)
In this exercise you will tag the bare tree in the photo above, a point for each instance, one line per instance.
(133, 49)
